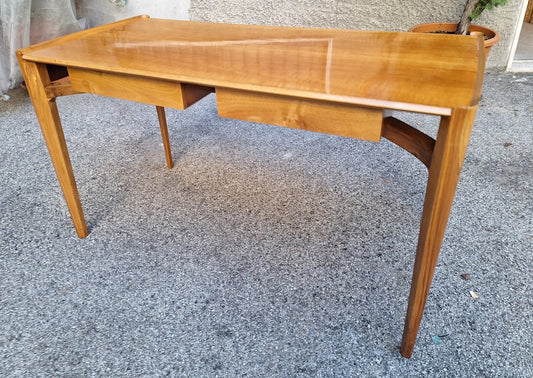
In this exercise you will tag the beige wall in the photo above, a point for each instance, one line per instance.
(98, 12)
(398, 15)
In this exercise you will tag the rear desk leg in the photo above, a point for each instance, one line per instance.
(36, 76)
(164, 133)
(444, 170)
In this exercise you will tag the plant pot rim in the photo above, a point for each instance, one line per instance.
(493, 35)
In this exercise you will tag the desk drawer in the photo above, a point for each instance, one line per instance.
(147, 90)
(313, 115)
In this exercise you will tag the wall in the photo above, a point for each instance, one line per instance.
(397, 15)
(98, 12)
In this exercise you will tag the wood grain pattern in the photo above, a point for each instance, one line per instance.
(60, 88)
(127, 87)
(164, 133)
(79, 35)
(193, 93)
(528, 17)
(312, 63)
(409, 138)
(333, 81)
(330, 118)
(142, 89)
(444, 171)
(36, 76)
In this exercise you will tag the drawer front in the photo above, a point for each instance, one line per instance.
(313, 115)
(147, 90)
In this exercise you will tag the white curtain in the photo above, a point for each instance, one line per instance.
(24, 22)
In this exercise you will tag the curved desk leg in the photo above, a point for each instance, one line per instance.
(36, 76)
(444, 170)
(164, 133)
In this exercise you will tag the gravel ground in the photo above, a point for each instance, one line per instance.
(265, 251)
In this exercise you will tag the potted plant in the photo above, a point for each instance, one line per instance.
(473, 10)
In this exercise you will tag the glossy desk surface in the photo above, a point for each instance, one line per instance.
(360, 67)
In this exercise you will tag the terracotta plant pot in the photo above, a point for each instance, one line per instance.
(491, 36)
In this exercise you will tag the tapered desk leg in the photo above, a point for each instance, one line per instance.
(37, 78)
(164, 133)
(444, 170)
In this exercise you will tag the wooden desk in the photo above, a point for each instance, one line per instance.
(334, 81)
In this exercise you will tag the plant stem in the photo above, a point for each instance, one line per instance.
(464, 23)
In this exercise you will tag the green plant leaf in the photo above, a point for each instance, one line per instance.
(485, 4)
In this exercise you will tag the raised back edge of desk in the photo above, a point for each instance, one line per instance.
(80, 34)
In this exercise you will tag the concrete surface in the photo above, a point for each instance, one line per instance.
(266, 251)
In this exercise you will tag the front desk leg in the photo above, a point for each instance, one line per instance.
(36, 76)
(444, 170)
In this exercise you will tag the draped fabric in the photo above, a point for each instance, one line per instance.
(25, 22)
